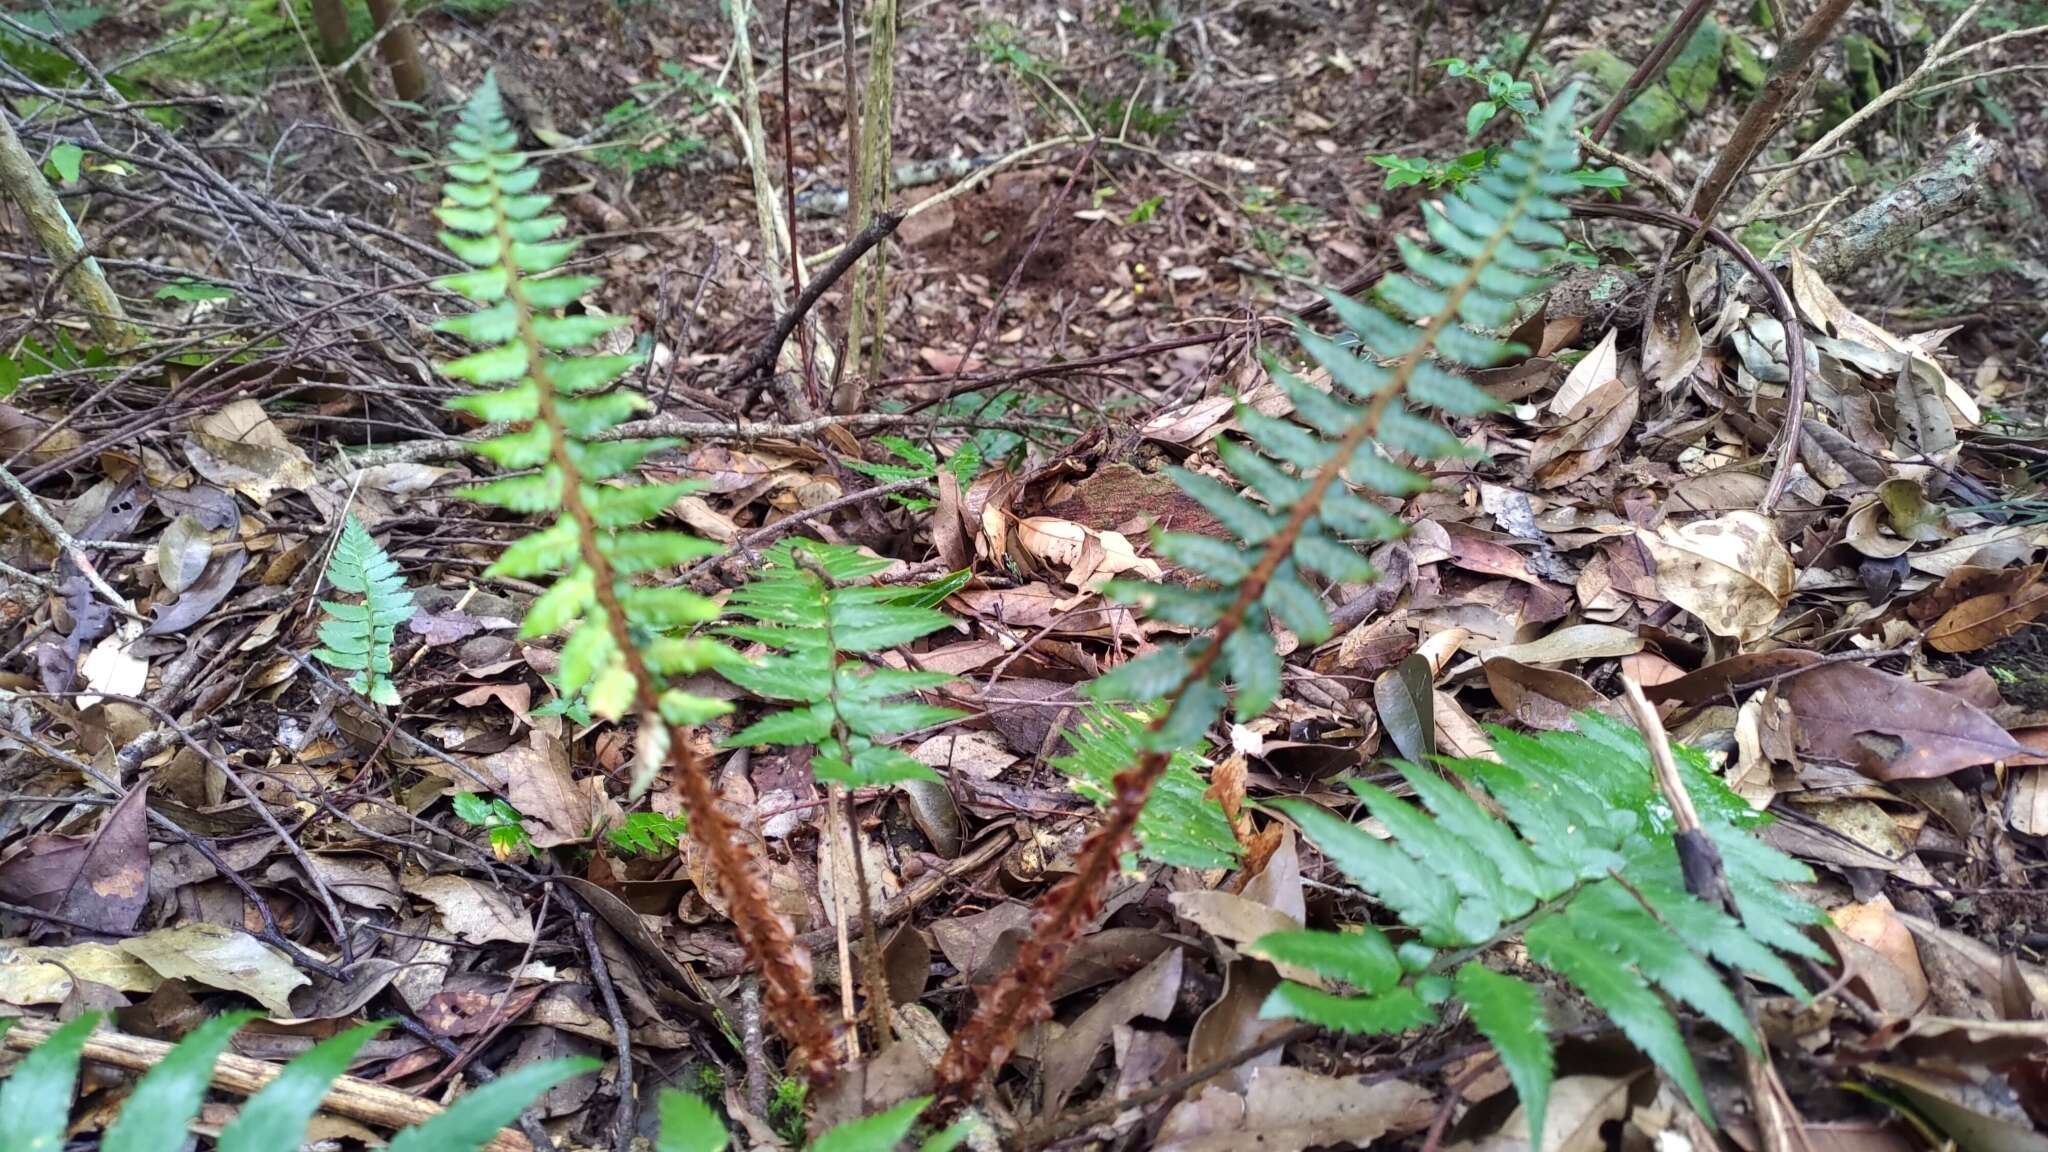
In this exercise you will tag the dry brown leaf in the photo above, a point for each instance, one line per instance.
(1889, 727)
(1150, 993)
(1579, 1107)
(1982, 621)
(220, 958)
(1539, 697)
(1090, 555)
(535, 779)
(472, 911)
(1573, 642)
(1729, 571)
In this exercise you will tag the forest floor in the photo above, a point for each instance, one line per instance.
(1124, 206)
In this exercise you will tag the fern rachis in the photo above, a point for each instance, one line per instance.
(616, 649)
(1485, 227)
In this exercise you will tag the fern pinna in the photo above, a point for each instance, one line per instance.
(1583, 870)
(358, 637)
(619, 649)
(1303, 471)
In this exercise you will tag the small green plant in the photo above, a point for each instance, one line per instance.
(358, 637)
(649, 834)
(503, 826)
(1145, 210)
(35, 1102)
(1140, 23)
(647, 138)
(786, 1108)
(1502, 91)
(804, 605)
(919, 463)
(1004, 46)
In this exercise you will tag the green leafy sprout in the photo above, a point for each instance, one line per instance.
(357, 637)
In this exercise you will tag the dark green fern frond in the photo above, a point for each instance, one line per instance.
(1180, 825)
(1583, 869)
(1309, 484)
(358, 637)
(1310, 481)
(539, 382)
(806, 608)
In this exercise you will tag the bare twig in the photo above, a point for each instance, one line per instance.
(1652, 67)
(623, 1117)
(68, 546)
(762, 359)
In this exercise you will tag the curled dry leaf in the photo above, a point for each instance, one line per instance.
(1982, 621)
(1539, 697)
(1731, 572)
(220, 958)
(238, 447)
(1150, 993)
(1090, 555)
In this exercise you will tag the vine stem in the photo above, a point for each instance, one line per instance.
(1019, 997)
(767, 941)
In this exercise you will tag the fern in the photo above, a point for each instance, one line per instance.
(567, 457)
(1583, 870)
(918, 463)
(648, 833)
(803, 606)
(1179, 825)
(1301, 518)
(159, 1111)
(358, 637)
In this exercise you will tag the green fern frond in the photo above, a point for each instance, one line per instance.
(358, 637)
(1306, 496)
(1180, 825)
(159, 1112)
(806, 609)
(1582, 868)
(918, 463)
(538, 380)
(1310, 481)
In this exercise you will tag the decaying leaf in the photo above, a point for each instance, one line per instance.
(1729, 571)
(1888, 727)
(1289, 1109)
(238, 447)
(220, 958)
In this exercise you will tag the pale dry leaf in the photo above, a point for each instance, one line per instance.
(1730, 571)
(537, 783)
(220, 958)
(473, 912)
(182, 552)
(975, 754)
(1573, 642)
(111, 666)
(238, 447)
(1289, 1109)
(1598, 367)
(1091, 556)
(2026, 802)
(30, 976)
(1579, 1107)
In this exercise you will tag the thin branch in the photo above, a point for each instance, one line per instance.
(1652, 67)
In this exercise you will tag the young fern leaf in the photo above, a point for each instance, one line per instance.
(804, 608)
(563, 406)
(1584, 870)
(358, 637)
(1494, 233)
(1180, 825)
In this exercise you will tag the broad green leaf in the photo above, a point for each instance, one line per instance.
(35, 1100)
(878, 1133)
(1509, 1013)
(1363, 959)
(276, 1118)
(689, 1125)
(484, 1110)
(1393, 1013)
(168, 1096)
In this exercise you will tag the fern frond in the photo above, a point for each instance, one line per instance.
(1302, 516)
(805, 609)
(1583, 868)
(1180, 825)
(358, 637)
(562, 404)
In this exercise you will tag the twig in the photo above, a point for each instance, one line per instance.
(65, 544)
(1781, 308)
(1423, 24)
(842, 934)
(1761, 119)
(1535, 36)
(1657, 182)
(796, 260)
(753, 1047)
(1653, 65)
(1938, 57)
(623, 1117)
(1700, 863)
(762, 359)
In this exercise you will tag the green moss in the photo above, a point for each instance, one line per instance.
(1653, 119)
(1691, 77)
(1743, 65)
